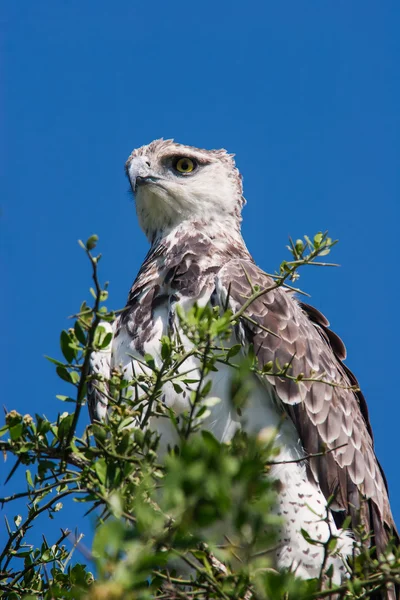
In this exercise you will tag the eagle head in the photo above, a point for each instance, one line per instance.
(174, 184)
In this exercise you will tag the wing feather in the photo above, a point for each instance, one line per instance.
(326, 416)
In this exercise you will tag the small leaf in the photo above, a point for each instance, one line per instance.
(234, 350)
(65, 426)
(100, 467)
(80, 334)
(299, 246)
(329, 571)
(92, 242)
(65, 398)
(308, 538)
(211, 401)
(199, 554)
(318, 239)
(16, 431)
(54, 361)
(149, 360)
(203, 413)
(211, 441)
(17, 520)
(28, 476)
(207, 388)
(3, 430)
(165, 347)
(332, 544)
(106, 341)
(64, 374)
(99, 432)
(68, 352)
(74, 376)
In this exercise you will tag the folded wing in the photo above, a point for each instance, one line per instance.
(330, 417)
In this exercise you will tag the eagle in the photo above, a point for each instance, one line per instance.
(189, 203)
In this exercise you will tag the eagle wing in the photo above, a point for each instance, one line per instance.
(331, 418)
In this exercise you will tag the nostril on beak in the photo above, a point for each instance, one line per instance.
(142, 180)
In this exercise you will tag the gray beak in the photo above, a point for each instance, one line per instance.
(139, 172)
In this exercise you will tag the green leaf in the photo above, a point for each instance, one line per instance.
(99, 432)
(116, 505)
(87, 498)
(318, 239)
(100, 466)
(68, 352)
(80, 334)
(91, 242)
(54, 361)
(308, 538)
(3, 430)
(64, 374)
(65, 398)
(16, 431)
(108, 537)
(332, 544)
(207, 388)
(299, 246)
(330, 570)
(211, 401)
(74, 376)
(47, 464)
(199, 554)
(106, 341)
(166, 347)
(234, 350)
(29, 478)
(17, 520)
(211, 441)
(126, 440)
(149, 360)
(203, 413)
(65, 426)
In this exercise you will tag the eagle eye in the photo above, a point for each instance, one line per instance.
(184, 165)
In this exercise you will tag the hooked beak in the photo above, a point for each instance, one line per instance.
(139, 173)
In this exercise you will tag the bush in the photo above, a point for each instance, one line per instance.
(160, 515)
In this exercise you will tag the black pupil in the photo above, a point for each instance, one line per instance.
(185, 165)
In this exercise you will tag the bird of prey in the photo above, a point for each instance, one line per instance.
(189, 203)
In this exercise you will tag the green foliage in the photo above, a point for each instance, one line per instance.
(159, 516)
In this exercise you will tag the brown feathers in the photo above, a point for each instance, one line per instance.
(330, 415)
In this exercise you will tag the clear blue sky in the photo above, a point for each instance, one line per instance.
(306, 93)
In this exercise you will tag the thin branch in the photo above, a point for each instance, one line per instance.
(89, 349)
(303, 458)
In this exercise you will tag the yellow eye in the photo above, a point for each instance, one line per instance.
(184, 165)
